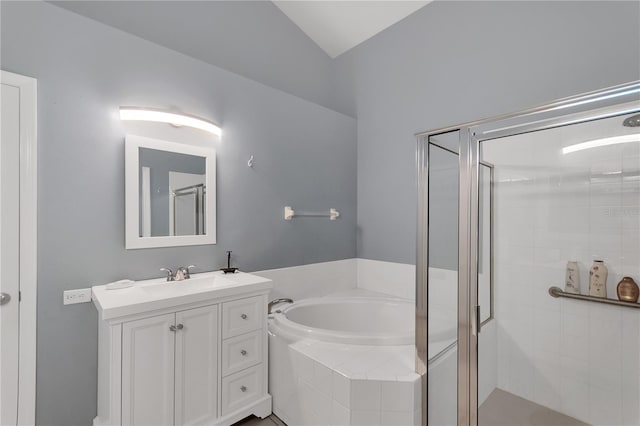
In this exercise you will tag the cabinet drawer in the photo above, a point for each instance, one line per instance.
(241, 388)
(241, 352)
(242, 316)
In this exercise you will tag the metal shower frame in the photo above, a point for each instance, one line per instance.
(609, 102)
(200, 192)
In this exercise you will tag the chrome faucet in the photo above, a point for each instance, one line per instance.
(170, 276)
(275, 302)
(182, 273)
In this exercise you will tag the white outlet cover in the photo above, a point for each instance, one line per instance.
(80, 295)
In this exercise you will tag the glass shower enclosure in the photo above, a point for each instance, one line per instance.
(509, 210)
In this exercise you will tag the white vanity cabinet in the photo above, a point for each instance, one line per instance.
(196, 372)
(183, 360)
(148, 371)
(169, 368)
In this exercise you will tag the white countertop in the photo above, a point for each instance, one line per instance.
(154, 294)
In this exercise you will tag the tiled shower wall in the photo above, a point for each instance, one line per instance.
(576, 357)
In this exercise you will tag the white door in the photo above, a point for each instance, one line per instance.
(9, 253)
(196, 366)
(148, 371)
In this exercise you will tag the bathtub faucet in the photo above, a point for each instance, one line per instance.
(277, 301)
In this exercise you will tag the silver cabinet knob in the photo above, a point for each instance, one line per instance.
(243, 352)
(172, 328)
(243, 316)
(243, 388)
(180, 326)
(4, 298)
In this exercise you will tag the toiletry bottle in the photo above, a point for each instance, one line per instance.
(628, 290)
(598, 279)
(572, 278)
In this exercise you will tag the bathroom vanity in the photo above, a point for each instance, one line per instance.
(190, 352)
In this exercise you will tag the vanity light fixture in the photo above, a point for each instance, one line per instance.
(615, 140)
(160, 116)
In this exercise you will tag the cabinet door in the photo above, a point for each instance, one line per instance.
(196, 366)
(147, 371)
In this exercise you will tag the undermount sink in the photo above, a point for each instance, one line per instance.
(192, 285)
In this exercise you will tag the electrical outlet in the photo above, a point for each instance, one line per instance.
(80, 295)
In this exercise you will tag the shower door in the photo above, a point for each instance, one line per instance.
(437, 275)
(567, 193)
(534, 191)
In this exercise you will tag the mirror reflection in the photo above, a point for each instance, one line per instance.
(172, 193)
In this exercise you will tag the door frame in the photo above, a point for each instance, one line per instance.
(28, 243)
(608, 102)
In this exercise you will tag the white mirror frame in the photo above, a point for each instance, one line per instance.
(133, 239)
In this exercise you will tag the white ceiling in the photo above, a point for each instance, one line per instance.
(337, 26)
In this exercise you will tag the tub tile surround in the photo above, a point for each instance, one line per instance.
(342, 384)
(335, 277)
(578, 358)
(324, 390)
(396, 279)
(313, 280)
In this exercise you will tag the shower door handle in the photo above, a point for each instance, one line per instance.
(478, 322)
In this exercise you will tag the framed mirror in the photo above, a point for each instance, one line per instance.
(170, 193)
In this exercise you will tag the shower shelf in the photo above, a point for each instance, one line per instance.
(557, 292)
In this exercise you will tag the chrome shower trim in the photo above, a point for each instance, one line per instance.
(630, 91)
(610, 102)
(422, 270)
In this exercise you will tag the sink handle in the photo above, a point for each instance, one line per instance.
(170, 276)
(185, 272)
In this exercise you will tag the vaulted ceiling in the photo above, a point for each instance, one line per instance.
(337, 26)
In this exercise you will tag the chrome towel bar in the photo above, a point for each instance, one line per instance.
(289, 213)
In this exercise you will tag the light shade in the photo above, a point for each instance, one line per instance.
(160, 116)
(615, 140)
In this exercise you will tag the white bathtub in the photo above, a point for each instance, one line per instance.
(353, 320)
(327, 354)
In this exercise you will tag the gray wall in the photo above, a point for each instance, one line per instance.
(443, 208)
(304, 157)
(444, 192)
(251, 38)
(453, 62)
(448, 63)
